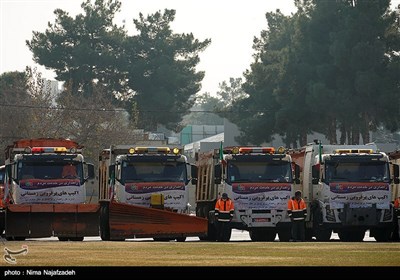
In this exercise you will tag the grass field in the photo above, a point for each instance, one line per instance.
(130, 253)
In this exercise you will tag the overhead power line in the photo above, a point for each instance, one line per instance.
(117, 109)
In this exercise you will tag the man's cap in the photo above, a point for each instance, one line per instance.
(297, 193)
(224, 195)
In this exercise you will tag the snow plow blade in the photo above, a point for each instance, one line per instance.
(119, 221)
(46, 220)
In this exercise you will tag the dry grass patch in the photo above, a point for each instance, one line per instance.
(133, 253)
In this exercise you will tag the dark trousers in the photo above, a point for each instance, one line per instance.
(298, 230)
(223, 231)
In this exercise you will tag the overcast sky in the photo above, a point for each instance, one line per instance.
(230, 24)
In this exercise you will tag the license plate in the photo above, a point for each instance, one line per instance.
(261, 220)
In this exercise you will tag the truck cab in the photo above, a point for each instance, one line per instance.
(348, 190)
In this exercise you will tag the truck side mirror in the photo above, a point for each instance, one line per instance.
(111, 172)
(90, 167)
(193, 173)
(217, 174)
(315, 174)
(297, 173)
(396, 173)
(8, 171)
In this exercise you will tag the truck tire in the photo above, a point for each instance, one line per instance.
(80, 238)
(382, 234)
(260, 234)
(284, 235)
(162, 239)
(15, 238)
(351, 235)
(104, 223)
(211, 232)
(322, 234)
(2, 224)
(204, 212)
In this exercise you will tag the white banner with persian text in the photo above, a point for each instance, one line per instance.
(261, 195)
(176, 195)
(61, 191)
(359, 195)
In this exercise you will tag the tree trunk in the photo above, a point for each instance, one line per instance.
(303, 139)
(355, 136)
(342, 134)
(333, 139)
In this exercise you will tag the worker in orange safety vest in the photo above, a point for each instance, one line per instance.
(297, 211)
(224, 209)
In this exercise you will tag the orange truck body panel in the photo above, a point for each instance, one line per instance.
(42, 220)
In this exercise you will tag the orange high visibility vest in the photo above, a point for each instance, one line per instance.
(397, 203)
(297, 209)
(224, 210)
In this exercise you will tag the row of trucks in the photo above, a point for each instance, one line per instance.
(144, 191)
(348, 189)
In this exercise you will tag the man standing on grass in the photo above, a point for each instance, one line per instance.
(297, 211)
(224, 210)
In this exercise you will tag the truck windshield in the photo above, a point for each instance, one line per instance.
(279, 171)
(50, 170)
(153, 172)
(367, 171)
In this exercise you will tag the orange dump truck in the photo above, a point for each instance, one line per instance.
(40, 199)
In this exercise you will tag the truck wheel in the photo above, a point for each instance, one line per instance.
(181, 239)
(351, 235)
(104, 223)
(212, 232)
(161, 239)
(117, 239)
(381, 234)
(2, 227)
(257, 234)
(15, 238)
(212, 226)
(308, 234)
(284, 235)
(322, 234)
(76, 238)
